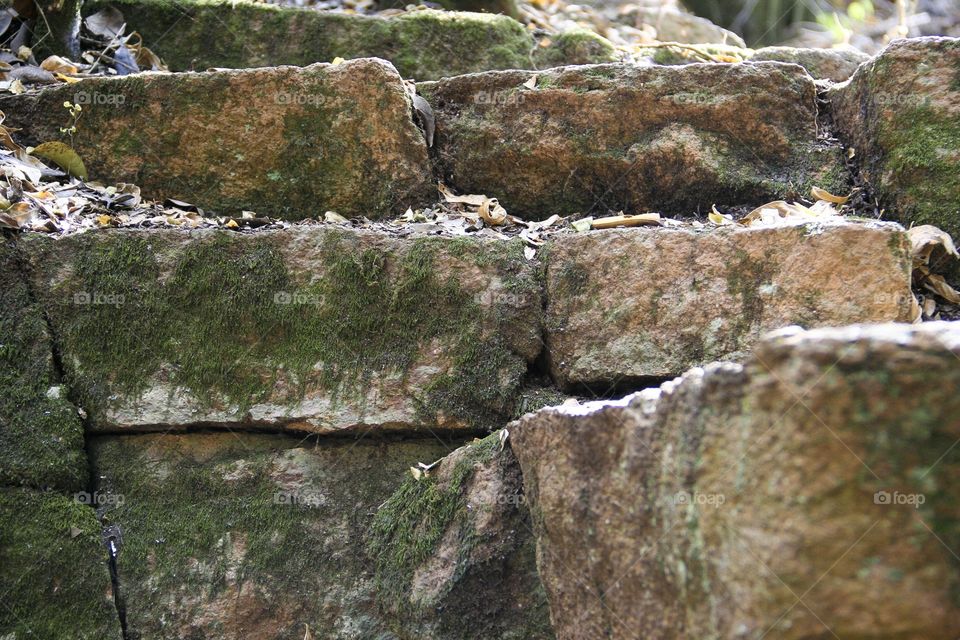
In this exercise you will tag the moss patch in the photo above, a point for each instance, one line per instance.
(54, 577)
(578, 46)
(41, 438)
(208, 516)
(229, 320)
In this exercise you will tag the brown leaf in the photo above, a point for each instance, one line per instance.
(641, 219)
(492, 213)
(926, 239)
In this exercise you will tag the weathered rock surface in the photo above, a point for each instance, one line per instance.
(612, 137)
(314, 329)
(287, 142)
(674, 25)
(423, 45)
(901, 113)
(54, 575)
(807, 494)
(454, 550)
(623, 305)
(249, 535)
(41, 438)
(823, 64)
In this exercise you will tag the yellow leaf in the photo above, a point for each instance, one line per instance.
(718, 218)
(337, 60)
(66, 79)
(63, 156)
(492, 212)
(103, 220)
(822, 194)
(232, 224)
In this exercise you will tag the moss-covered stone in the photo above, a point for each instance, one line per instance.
(601, 138)
(54, 573)
(578, 46)
(425, 44)
(454, 551)
(41, 438)
(899, 113)
(231, 534)
(312, 329)
(287, 142)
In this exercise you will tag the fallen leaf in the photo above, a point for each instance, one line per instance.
(583, 224)
(651, 219)
(333, 216)
(63, 156)
(529, 253)
(492, 213)
(448, 196)
(822, 194)
(336, 61)
(925, 239)
(231, 224)
(56, 64)
(718, 218)
(425, 113)
(107, 23)
(936, 283)
(67, 79)
(531, 83)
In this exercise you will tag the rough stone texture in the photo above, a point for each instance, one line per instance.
(674, 25)
(901, 113)
(54, 576)
(823, 64)
(578, 46)
(286, 142)
(772, 500)
(612, 137)
(231, 535)
(41, 438)
(425, 45)
(455, 552)
(314, 329)
(632, 304)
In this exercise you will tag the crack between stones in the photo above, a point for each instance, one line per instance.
(110, 535)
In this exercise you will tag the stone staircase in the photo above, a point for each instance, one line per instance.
(342, 431)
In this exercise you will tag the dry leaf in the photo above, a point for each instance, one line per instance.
(652, 219)
(231, 224)
(925, 239)
(719, 218)
(336, 61)
(935, 283)
(822, 194)
(583, 224)
(448, 196)
(63, 156)
(492, 213)
(531, 83)
(56, 64)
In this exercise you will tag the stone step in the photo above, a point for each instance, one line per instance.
(324, 329)
(899, 113)
(619, 137)
(41, 437)
(807, 494)
(423, 45)
(316, 329)
(292, 141)
(251, 535)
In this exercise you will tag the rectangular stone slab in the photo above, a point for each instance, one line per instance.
(810, 493)
(620, 137)
(650, 303)
(423, 45)
(41, 438)
(286, 142)
(315, 329)
(238, 535)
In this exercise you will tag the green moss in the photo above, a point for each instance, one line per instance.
(744, 278)
(409, 526)
(921, 151)
(230, 319)
(422, 44)
(41, 438)
(204, 515)
(578, 46)
(54, 575)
